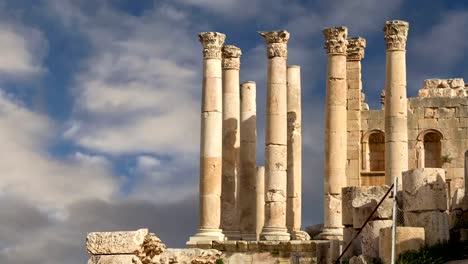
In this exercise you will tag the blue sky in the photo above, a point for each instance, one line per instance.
(100, 102)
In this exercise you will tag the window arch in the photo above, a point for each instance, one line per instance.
(429, 149)
(373, 151)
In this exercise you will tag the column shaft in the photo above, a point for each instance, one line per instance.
(248, 158)
(260, 202)
(335, 130)
(355, 53)
(276, 138)
(396, 128)
(231, 142)
(294, 148)
(211, 139)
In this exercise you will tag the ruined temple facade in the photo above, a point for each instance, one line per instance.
(437, 132)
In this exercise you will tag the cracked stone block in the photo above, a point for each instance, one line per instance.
(424, 190)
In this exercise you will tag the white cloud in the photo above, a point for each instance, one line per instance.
(29, 172)
(137, 90)
(21, 51)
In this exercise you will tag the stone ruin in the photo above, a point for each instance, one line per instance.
(251, 214)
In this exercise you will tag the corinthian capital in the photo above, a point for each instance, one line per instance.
(231, 55)
(336, 40)
(396, 34)
(212, 43)
(277, 42)
(355, 49)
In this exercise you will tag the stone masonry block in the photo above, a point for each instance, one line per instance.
(424, 189)
(435, 223)
(114, 259)
(107, 243)
(370, 237)
(407, 238)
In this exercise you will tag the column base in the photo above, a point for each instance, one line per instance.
(299, 235)
(207, 235)
(249, 237)
(331, 233)
(275, 234)
(232, 235)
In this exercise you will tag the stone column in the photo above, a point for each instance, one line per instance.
(355, 53)
(231, 141)
(211, 139)
(335, 131)
(248, 168)
(276, 137)
(294, 172)
(396, 128)
(260, 207)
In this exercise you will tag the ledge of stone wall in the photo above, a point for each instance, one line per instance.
(258, 246)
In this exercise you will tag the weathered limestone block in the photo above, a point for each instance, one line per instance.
(362, 212)
(459, 200)
(355, 248)
(435, 223)
(370, 237)
(114, 259)
(124, 242)
(443, 88)
(424, 189)
(348, 194)
(323, 251)
(407, 238)
(192, 256)
(300, 235)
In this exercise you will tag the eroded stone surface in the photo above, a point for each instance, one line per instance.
(370, 237)
(443, 88)
(114, 259)
(123, 242)
(407, 238)
(424, 189)
(192, 256)
(435, 223)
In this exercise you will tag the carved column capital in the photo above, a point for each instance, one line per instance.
(277, 43)
(336, 40)
(231, 57)
(355, 49)
(396, 34)
(212, 43)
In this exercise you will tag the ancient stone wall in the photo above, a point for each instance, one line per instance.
(437, 132)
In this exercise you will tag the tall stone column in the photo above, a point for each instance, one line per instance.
(335, 130)
(211, 139)
(231, 141)
(260, 207)
(294, 172)
(276, 137)
(396, 127)
(355, 53)
(248, 150)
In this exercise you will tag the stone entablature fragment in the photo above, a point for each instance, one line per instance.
(443, 88)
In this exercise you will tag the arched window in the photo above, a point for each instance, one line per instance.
(377, 151)
(373, 158)
(373, 151)
(429, 149)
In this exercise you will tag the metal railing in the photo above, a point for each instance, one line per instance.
(370, 217)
